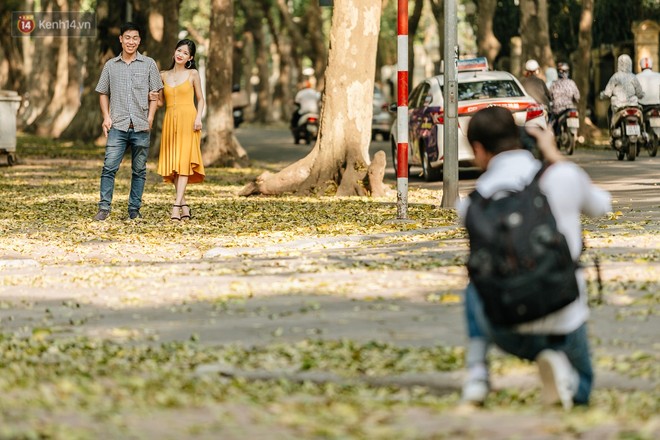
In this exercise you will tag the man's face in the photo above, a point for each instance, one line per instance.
(130, 40)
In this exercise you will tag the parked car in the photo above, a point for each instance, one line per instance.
(381, 121)
(477, 88)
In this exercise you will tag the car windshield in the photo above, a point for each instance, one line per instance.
(488, 89)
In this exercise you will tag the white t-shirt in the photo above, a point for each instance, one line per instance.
(309, 101)
(570, 193)
(650, 82)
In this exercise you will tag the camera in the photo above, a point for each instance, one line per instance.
(529, 143)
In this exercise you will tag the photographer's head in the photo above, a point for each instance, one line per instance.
(492, 131)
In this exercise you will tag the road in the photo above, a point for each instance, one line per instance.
(634, 185)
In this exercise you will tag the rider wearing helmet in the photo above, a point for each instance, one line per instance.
(623, 87)
(564, 92)
(534, 85)
(650, 82)
(306, 101)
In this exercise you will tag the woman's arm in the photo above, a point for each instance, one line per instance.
(197, 85)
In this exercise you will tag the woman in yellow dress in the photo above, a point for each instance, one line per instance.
(180, 161)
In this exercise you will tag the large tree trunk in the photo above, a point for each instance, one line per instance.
(65, 84)
(86, 125)
(340, 158)
(583, 59)
(488, 45)
(221, 146)
(535, 32)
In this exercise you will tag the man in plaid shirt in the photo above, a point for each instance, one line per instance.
(123, 88)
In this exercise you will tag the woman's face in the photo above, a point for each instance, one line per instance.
(182, 55)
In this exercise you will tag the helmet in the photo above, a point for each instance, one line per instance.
(532, 66)
(563, 70)
(646, 63)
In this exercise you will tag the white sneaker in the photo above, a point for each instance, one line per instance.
(559, 378)
(475, 391)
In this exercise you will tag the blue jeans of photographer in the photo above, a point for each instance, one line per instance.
(117, 143)
(528, 345)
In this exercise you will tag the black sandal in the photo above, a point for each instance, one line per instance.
(179, 217)
(189, 215)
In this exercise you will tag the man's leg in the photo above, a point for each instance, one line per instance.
(574, 346)
(477, 383)
(139, 142)
(114, 153)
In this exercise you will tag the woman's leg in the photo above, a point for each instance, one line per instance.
(181, 184)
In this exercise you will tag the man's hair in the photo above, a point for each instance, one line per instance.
(129, 26)
(495, 129)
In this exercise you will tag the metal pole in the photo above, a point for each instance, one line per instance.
(402, 111)
(450, 138)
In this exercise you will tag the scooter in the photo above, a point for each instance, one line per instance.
(307, 128)
(651, 129)
(567, 134)
(626, 132)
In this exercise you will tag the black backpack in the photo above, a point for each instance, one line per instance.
(519, 262)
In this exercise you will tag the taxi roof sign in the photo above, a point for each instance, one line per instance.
(479, 64)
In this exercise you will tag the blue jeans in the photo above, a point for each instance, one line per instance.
(527, 345)
(118, 142)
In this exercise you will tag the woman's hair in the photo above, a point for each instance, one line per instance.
(191, 48)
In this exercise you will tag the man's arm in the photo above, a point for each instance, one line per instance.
(104, 102)
(545, 141)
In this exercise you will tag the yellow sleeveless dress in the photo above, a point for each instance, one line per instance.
(180, 150)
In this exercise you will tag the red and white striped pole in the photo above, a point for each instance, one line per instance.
(402, 111)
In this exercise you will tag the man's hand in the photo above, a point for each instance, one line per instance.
(107, 125)
(151, 122)
(545, 141)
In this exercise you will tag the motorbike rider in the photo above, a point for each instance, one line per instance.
(564, 92)
(306, 101)
(623, 88)
(650, 82)
(534, 85)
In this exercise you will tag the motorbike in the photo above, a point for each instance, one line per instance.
(567, 134)
(307, 128)
(626, 132)
(651, 133)
(239, 101)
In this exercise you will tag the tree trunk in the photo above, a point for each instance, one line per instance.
(65, 84)
(535, 32)
(11, 48)
(488, 45)
(438, 9)
(221, 147)
(254, 21)
(583, 59)
(160, 23)
(413, 24)
(340, 159)
(317, 50)
(86, 125)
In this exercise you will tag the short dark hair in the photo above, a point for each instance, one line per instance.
(495, 129)
(129, 26)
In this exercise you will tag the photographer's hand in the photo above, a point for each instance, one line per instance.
(545, 140)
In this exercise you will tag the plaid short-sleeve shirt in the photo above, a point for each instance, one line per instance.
(128, 85)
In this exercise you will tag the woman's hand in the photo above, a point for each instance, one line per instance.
(198, 124)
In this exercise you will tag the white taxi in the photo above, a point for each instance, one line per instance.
(478, 88)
